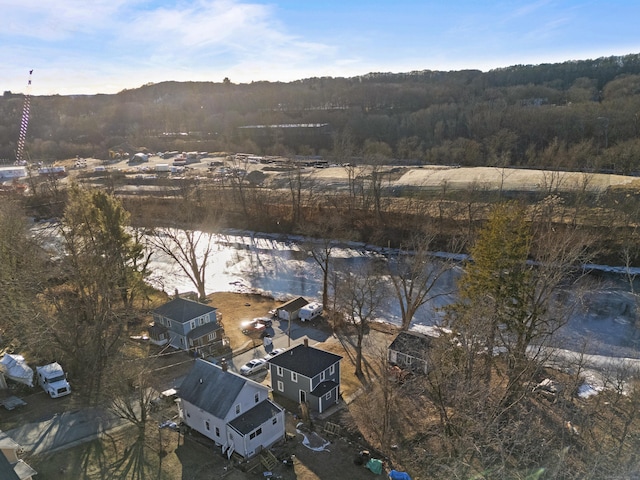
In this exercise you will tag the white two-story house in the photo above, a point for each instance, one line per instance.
(233, 411)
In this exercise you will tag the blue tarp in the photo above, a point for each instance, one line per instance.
(395, 475)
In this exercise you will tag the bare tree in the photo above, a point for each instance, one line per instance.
(355, 175)
(414, 273)
(321, 247)
(130, 394)
(132, 399)
(376, 154)
(301, 191)
(189, 249)
(361, 294)
(237, 175)
(381, 396)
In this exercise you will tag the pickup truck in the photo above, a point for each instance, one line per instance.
(53, 380)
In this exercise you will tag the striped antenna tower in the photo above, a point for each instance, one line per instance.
(25, 122)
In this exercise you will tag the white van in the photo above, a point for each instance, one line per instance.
(310, 311)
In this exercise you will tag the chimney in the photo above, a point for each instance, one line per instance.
(306, 342)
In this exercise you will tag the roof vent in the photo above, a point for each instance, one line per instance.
(200, 381)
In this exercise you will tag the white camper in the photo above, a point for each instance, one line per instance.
(310, 311)
(53, 380)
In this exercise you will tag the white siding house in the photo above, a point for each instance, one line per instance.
(233, 411)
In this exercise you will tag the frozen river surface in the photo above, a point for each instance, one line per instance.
(602, 323)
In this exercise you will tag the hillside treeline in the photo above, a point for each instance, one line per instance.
(576, 115)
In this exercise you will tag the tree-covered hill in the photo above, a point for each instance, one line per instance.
(574, 115)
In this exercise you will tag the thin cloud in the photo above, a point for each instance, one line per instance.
(214, 31)
(58, 20)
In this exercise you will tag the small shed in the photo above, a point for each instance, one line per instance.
(410, 350)
(291, 309)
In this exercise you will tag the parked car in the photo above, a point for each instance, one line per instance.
(253, 366)
(274, 352)
(253, 328)
(266, 321)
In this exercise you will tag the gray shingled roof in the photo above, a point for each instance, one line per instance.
(210, 388)
(304, 360)
(412, 343)
(183, 310)
(254, 417)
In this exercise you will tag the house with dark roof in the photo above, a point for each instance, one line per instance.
(291, 309)
(233, 411)
(308, 375)
(410, 351)
(188, 325)
(11, 467)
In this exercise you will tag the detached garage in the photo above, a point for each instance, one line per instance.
(291, 309)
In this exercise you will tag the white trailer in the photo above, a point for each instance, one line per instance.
(53, 380)
(310, 311)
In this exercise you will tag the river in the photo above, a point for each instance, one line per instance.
(602, 321)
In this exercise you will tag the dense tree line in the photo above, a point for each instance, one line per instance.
(574, 115)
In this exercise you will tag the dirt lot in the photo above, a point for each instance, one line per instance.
(166, 454)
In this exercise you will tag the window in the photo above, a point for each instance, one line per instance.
(193, 324)
(404, 359)
(255, 434)
(237, 409)
(332, 369)
(280, 386)
(274, 421)
(322, 376)
(327, 396)
(294, 377)
(217, 432)
(212, 336)
(206, 425)
(201, 321)
(256, 397)
(168, 322)
(279, 371)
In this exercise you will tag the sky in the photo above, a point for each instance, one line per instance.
(106, 46)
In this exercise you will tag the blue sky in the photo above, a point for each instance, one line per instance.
(105, 46)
